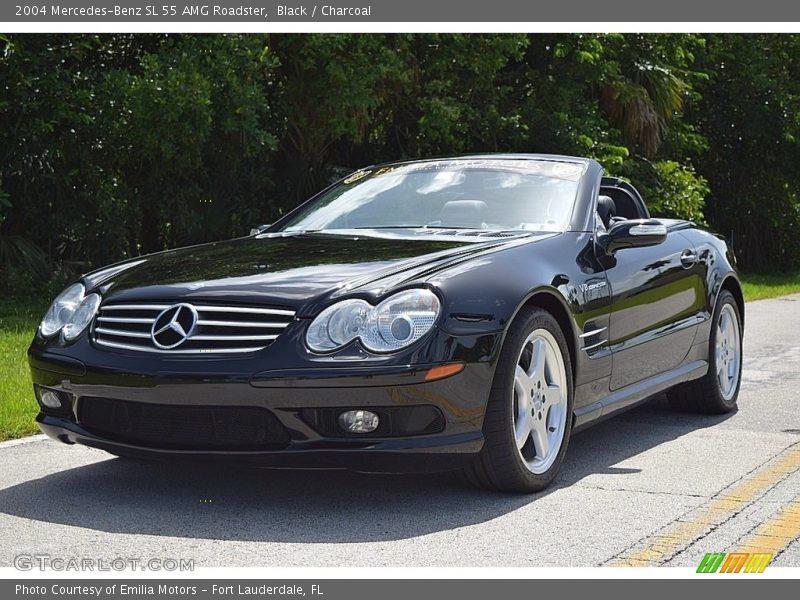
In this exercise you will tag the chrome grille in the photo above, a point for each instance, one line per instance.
(219, 329)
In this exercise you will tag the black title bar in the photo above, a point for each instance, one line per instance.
(375, 11)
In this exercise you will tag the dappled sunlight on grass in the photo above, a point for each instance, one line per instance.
(759, 287)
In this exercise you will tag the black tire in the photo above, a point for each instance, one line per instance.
(499, 465)
(704, 395)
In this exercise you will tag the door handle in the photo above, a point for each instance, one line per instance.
(688, 258)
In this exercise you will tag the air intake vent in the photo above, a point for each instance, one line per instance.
(183, 427)
(189, 329)
(593, 338)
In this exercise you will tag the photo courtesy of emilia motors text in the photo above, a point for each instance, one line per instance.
(370, 299)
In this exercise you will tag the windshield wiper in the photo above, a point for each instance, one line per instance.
(417, 227)
(389, 227)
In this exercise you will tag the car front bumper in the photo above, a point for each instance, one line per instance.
(288, 395)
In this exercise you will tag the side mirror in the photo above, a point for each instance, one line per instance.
(634, 233)
(260, 228)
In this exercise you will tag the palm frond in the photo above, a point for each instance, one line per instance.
(640, 107)
(19, 253)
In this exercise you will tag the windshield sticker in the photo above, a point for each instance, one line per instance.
(567, 170)
(547, 168)
(356, 176)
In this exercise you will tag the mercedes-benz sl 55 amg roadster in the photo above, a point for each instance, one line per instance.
(468, 313)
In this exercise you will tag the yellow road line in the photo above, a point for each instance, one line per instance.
(678, 535)
(777, 533)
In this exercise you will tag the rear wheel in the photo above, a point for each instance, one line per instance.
(529, 414)
(718, 390)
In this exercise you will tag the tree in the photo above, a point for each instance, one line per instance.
(749, 113)
(115, 145)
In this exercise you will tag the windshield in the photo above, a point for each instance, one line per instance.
(490, 194)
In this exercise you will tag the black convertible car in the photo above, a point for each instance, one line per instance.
(466, 313)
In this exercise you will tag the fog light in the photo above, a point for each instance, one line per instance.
(358, 421)
(50, 399)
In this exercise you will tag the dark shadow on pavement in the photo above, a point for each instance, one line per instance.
(222, 503)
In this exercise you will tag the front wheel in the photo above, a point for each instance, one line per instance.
(529, 414)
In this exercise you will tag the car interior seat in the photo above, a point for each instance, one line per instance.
(464, 213)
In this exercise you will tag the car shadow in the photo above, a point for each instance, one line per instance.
(222, 503)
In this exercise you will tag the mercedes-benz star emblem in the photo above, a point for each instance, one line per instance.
(173, 326)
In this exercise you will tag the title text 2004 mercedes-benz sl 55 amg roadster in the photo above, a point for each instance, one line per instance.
(466, 313)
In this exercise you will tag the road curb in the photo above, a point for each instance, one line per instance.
(26, 440)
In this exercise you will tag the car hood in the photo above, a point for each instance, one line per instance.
(295, 270)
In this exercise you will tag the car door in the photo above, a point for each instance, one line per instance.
(656, 295)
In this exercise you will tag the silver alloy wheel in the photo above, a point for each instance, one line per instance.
(540, 401)
(727, 351)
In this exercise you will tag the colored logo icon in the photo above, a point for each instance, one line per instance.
(735, 562)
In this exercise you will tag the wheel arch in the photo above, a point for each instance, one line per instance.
(552, 301)
(734, 286)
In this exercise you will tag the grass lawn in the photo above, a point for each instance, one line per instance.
(759, 287)
(19, 319)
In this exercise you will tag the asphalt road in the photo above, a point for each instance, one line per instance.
(649, 487)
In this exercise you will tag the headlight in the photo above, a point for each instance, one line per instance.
(61, 310)
(71, 312)
(395, 323)
(82, 317)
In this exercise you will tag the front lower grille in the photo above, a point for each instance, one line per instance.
(182, 427)
(216, 329)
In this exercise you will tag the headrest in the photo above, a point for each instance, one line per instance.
(606, 209)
